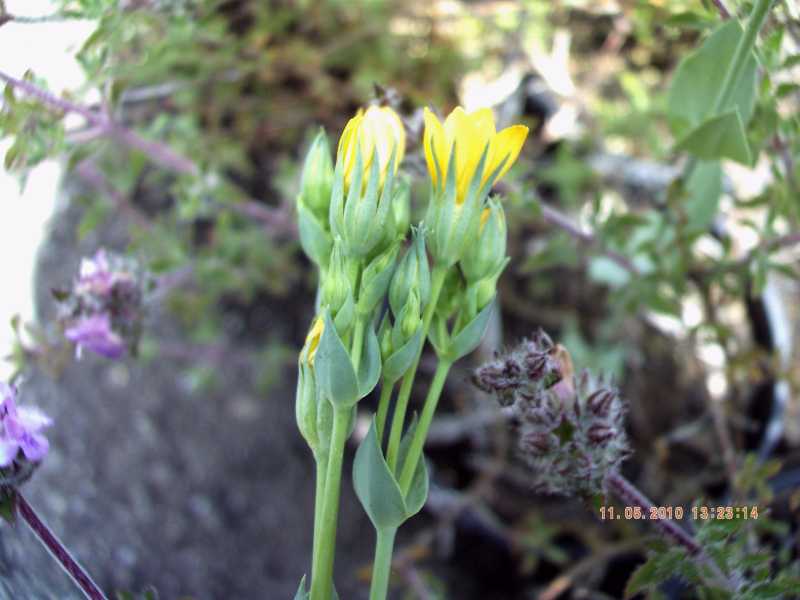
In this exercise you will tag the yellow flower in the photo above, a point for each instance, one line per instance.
(378, 131)
(309, 350)
(471, 133)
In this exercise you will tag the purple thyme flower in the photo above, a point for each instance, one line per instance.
(94, 333)
(20, 429)
(97, 276)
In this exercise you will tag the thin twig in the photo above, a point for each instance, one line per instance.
(158, 152)
(629, 494)
(57, 550)
(555, 218)
(723, 11)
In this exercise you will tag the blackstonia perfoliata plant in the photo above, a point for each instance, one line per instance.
(384, 289)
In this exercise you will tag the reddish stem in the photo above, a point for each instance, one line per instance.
(57, 550)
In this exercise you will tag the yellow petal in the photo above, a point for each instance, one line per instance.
(312, 340)
(435, 144)
(505, 146)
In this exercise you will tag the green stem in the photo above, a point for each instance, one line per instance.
(738, 62)
(322, 468)
(421, 432)
(383, 408)
(382, 566)
(322, 575)
(398, 419)
(741, 54)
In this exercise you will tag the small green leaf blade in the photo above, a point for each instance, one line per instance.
(335, 374)
(376, 487)
(471, 335)
(369, 371)
(718, 137)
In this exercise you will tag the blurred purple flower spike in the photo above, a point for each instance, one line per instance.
(20, 429)
(95, 333)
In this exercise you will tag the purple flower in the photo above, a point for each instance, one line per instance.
(20, 429)
(94, 333)
(97, 275)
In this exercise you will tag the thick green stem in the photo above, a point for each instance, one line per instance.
(383, 408)
(421, 432)
(382, 566)
(398, 419)
(322, 469)
(322, 574)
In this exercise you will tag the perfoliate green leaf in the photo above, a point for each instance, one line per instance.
(470, 336)
(335, 374)
(718, 137)
(376, 486)
(418, 492)
(699, 78)
(400, 361)
(370, 368)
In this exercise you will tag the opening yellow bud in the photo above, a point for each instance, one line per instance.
(312, 341)
(471, 133)
(378, 133)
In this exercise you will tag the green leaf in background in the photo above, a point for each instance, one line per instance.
(604, 270)
(722, 136)
(335, 374)
(703, 188)
(699, 78)
(375, 486)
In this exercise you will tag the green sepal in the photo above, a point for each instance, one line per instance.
(375, 485)
(346, 315)
(396, 365)
(315, 240)
(370, 368)
(718, 137)
(302, 592)
(418, 492)
(376, 278)
(306, 405)
(468, 338)
(336, 376)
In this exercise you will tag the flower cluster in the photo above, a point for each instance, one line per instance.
(104, 309)
(20, 429)
(571, 428)
(440, 280)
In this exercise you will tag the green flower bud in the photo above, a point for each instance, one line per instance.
(412, 274)
(385, 339)
(407, 322)
(359, 215)
(482, 259)
(452, 295)
(317, 179)
(400, 215)
(337, 291)
(375, 279)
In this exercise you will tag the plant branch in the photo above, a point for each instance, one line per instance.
(629, 494)
(57, 550)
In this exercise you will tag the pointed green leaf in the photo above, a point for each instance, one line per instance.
(335, 374)
(375, 486)
(644, 577)
(470, 336)
(302, 592)
(400, 361)
(718, 137)
(370, 368)
(418, 492)
(699, 78)
(704, 189)
(315, 241)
